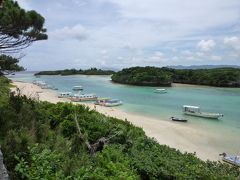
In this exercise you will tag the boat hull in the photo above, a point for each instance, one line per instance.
(158, 92)
(83, 99)
(231, 160)
(112, 104)
(178, 120)
(204, 115)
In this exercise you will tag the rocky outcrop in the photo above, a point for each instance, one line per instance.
(3, 170)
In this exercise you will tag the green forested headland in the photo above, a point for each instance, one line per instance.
(144, 76)
(41, 140)
(153, 76)
(91, 71)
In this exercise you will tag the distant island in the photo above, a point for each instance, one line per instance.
(154, 76)
(66, 72)
(203, 66)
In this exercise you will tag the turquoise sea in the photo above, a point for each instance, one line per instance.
(143, 100)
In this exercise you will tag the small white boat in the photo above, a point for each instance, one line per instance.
(161, 91)
(178, 119)
(195, 111)
(113, 102)
(65, 95)
(231, 159)
(83, 97)
(77, 88)
(54, 88)
(39, 83)
(108, 102)
(42, 84)
(101, 101)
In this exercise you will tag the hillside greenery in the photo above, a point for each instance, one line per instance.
(91, 71)
(144, 76)
(153, 76)
(40, 140)
(221, 77)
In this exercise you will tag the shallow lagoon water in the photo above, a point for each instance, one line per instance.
(143, 100)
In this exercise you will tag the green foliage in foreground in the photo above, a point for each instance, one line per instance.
(153, 76)
(9, 63)
(19, 28)
(39, 141)
(92, 71)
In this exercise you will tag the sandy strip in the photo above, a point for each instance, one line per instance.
(177, 135)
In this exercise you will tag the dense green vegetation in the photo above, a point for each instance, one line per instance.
(92, 71)
(8, 63)
(19, 28)
(40, 140)
(145, 76)
(221, 77)
(153, 76)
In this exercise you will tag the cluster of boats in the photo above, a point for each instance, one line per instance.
(80, 97)
(44, 85)
(108, 102)
(196, 111)
(191, 110)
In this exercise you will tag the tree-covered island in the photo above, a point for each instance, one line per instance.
(154, 76)
(91, 71)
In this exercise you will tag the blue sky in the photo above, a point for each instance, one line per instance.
(124, 33)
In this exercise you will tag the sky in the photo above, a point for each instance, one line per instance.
(114, 34)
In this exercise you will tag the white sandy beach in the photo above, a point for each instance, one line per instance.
(174, 134)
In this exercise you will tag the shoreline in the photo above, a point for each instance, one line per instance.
(173, 84)
(176, 135)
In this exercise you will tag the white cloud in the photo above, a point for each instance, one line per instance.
(157, 57)
(127, 32)
(186, 15)
(232, 42)
(77, 32)
(159, 54)
(215, 58)
(79, 3)
(25, 4)
(104, 52)
(200, 54)
(206, 45)
(191, 58)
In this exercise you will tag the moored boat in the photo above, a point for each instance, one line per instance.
(113, 102)
(41, 84)
(54, 88)
(77, 88)
(108, 102)
(178, 119)
(101, 101)
(160, 91)
(196, 111)
(83, 97)
(231, 159)
(65, 95)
